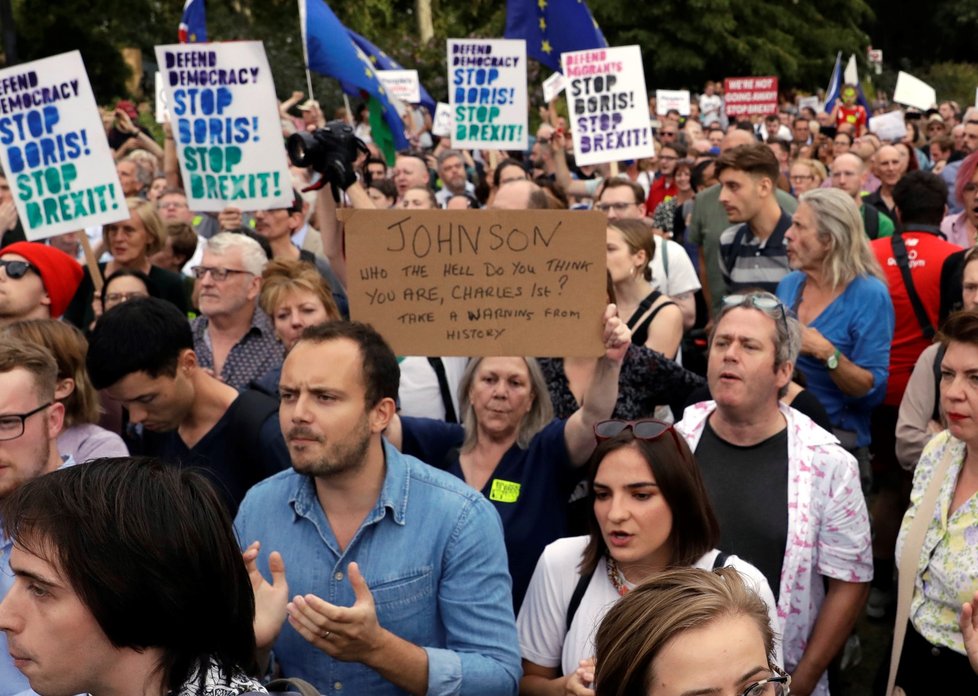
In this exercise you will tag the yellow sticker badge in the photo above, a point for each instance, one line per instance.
(504, 491)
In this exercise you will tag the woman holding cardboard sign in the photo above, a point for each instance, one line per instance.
(510, 448)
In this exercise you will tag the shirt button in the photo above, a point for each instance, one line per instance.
(337, 685)
(935, 651)
(338, 576)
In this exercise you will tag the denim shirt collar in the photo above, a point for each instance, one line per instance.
(393, 494)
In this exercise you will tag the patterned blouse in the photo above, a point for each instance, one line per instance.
(648, 379)
(947, 571)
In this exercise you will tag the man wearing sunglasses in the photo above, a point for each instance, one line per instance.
(36, 282)
(30, 420)
(787, 496)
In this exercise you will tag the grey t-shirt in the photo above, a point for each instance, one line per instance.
(748, 487)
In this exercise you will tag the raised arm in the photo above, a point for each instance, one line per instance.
(570, 186)
(330, 228)
(602, 393)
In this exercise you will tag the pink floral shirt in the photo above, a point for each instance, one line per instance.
(828, 526)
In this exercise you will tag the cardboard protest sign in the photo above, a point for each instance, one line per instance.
(914, 92)
(226, 124)
(889, 126)
(441, 125)
(401, 84)
(747, 96)
(668, 99)
(553, 86)
(479, 282)
(811, 103)
(54, 150)
(487, 90)
(608, 104)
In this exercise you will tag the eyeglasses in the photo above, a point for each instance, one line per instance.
(800, 177)
(777, 685)
(117, 297)
(12, 424)
(761, 302)
(16, 269)
(543, 141)
(218, 274)
(617, 207)
(648, 429)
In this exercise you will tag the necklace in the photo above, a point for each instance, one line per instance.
(616, 577)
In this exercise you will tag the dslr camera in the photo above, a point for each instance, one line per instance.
(331, 151)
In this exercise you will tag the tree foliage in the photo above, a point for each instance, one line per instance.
(683, 43)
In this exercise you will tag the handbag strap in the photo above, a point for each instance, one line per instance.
(912, 545)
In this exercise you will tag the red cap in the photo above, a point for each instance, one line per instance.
(60, 273)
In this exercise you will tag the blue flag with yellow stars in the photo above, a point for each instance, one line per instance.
(382, 61)
(331, 52)
(552, 27)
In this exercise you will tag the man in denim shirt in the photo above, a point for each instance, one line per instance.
(397, 570)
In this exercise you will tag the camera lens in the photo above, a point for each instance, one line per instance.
(301, 148)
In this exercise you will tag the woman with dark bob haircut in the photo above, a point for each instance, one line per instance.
(689, 630)
(127, 575)
(650, 513)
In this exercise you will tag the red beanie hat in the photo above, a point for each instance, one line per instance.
(60, 273)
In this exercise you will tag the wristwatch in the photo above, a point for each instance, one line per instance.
(832, 361)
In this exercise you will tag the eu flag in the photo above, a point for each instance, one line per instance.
(382, 61)
(552, 27)
(331, 52)
(193, 23)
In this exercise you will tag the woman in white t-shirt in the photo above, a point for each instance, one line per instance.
(651, 512)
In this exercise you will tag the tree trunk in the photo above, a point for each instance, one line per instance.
(425, 27)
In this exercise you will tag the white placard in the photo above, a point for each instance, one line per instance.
(442, 124)
(914, 92)
(401, 84)
(487, 90)
(889, 126)
(54, 150)
(162, 111)
(668, 99)
(810, 102)
(553, 86)
(226, 124)
(608, 104)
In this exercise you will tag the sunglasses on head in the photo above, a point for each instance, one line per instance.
(16, 269)
(648, 429)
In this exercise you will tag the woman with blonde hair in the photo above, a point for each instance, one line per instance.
(130, 242)
(806, 174)
(295, 295)
(686, 631)
(82, 438)
(839, 296)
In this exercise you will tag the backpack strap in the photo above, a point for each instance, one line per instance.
(720, 561)
(938, 357)
(575, 600)
(903, 261)
(446, 393)
(871, 221)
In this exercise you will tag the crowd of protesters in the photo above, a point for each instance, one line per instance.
(781, 421)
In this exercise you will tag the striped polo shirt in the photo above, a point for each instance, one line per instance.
(748, 263)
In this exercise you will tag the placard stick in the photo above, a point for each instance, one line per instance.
(613, 169)
(92, 263)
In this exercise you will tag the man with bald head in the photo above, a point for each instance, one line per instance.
(410, 170)
(519, 195)
(710, 220)
(849, 175)
(889, 165)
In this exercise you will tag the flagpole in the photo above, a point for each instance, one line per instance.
(305, 49)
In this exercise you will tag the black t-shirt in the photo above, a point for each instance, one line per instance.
(748, 487)
(232, 454)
